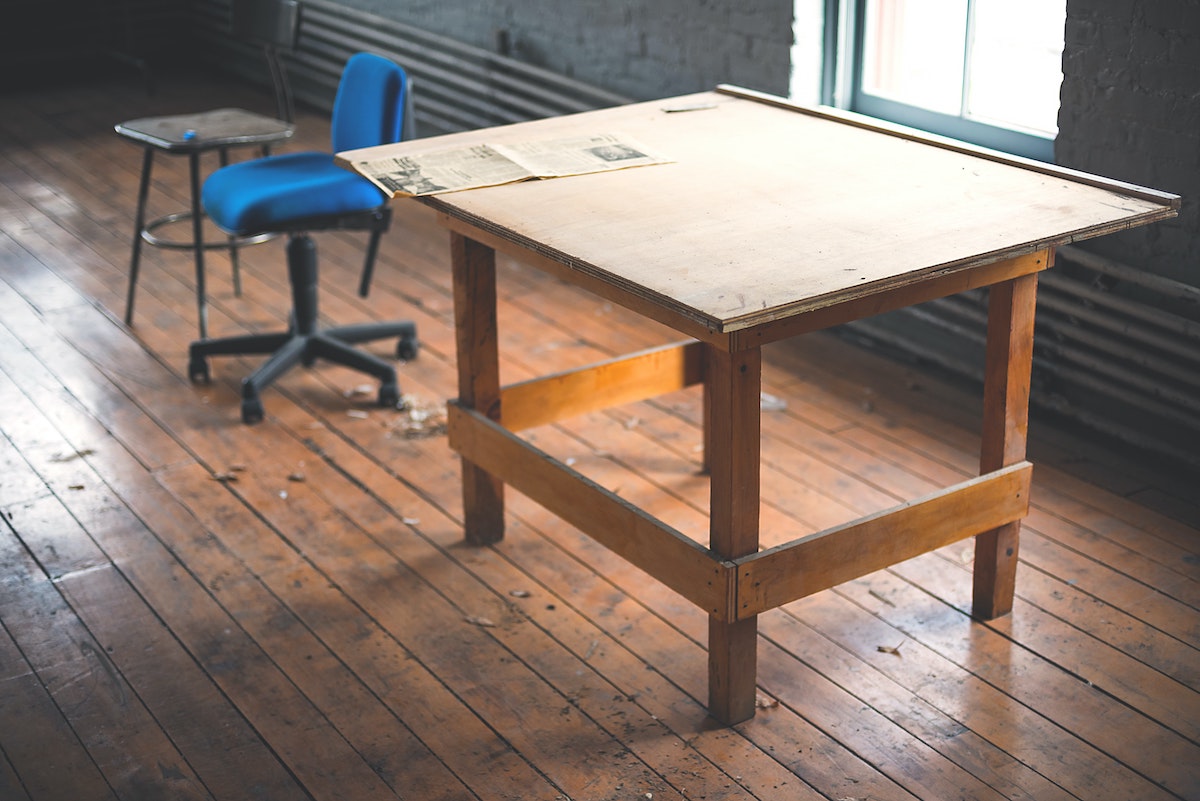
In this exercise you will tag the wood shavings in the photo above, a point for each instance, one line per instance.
(770, 403)
(520, 593)
(70, 457)
(476, 620)
(765, 702)
(419, 418)
(230, 474)
(358, 414)
(362, 390)
(889, 649)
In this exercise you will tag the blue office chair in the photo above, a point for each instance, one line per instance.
(296, 193)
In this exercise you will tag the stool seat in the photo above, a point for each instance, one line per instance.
(206, 130)
(192, 135)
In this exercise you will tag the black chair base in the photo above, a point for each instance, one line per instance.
(303, 344)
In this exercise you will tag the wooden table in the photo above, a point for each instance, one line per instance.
(772, 221)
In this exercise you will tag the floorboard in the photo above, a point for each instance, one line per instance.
(190, 608)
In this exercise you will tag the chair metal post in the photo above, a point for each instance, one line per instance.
(276, 25)
(233, 239)
(302, 274)
(285, 106)
(381, 223)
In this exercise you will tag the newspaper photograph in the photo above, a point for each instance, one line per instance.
(478, 166)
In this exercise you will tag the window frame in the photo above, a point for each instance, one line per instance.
(841, 86)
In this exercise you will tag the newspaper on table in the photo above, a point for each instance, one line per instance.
(483, 165)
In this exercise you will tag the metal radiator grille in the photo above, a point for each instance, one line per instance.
(1125, 363)
(456, 87)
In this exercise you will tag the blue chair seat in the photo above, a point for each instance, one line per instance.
(252, 197)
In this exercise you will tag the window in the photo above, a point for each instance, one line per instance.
(985, 71)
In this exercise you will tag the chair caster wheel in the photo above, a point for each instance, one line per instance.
(406, 348)
(389, 394)
(252, 410)
(198, 370)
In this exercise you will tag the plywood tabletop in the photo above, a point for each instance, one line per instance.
(769, 210)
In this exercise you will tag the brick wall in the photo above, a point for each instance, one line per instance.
(1131, 110)
(639, 48)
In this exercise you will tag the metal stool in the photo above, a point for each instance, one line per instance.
(192, 135)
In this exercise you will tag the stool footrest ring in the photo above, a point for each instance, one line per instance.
(151, 238)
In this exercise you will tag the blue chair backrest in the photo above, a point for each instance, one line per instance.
(369, 107)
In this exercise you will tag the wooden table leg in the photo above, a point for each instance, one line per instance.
(732, 389)
(1011, 308)
(474, 274)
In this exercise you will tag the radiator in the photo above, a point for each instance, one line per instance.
(1116, 350)
(456, 87)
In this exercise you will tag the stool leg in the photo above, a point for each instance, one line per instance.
(139, 221)
(233, 250)
(198, 244)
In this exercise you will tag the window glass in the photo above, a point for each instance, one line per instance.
(1016, 63)
(913, 52)
(988, 71)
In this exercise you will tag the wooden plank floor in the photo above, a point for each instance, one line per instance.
(194, 609)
